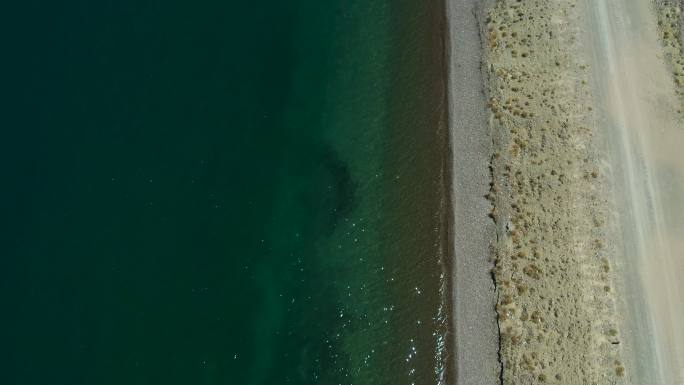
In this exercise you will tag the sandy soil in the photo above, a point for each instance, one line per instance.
(554, 258)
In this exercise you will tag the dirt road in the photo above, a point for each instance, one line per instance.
(637, 111)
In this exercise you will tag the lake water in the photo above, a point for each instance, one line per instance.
(224, 193)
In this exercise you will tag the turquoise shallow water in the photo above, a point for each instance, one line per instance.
(224, 193)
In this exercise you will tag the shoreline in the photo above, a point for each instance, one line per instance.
(417, 197)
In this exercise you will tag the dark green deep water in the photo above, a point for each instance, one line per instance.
(223, 192)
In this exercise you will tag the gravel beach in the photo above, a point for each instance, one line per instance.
(476, 333)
